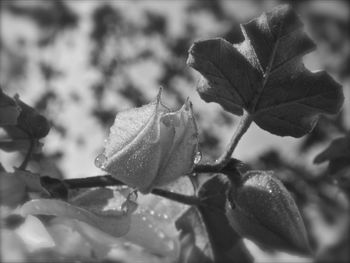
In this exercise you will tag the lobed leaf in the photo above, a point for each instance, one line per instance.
(264, 75)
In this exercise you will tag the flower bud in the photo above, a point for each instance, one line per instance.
(261, 209)
(150, 146)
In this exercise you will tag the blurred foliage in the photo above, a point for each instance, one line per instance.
(126, 42)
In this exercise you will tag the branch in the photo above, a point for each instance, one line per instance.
(243, 126)
(108, 180)
(225, 164)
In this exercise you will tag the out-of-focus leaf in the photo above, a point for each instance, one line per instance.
(13, 249)
(260, 208)
(265, 76)
(12, 189)
(31, 121)
(194, 240)
(31, 181)
(34, 234)
(338, 155)
(13, 221)
(150, 233)
(14, 139)
(9, 110)
(28, 127)
(93, 211)
(69, 241)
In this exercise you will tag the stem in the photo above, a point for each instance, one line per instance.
(108, 180)
(243, 126)
(221, 164)
(184, 199)
(28, 155)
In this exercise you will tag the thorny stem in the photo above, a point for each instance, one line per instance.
(28, 155)
(223, 161)
(108, 180)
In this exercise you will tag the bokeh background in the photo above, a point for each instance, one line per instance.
(79, 63)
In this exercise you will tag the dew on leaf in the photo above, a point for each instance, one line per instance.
(100, 161)
(197, 157)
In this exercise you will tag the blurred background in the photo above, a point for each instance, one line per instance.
(79, 63)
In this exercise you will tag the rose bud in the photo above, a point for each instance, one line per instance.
(150, 146)
(261, 209)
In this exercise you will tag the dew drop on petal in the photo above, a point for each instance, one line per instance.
(100, 161)
(197, 157)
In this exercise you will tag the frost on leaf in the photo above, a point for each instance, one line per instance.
(262, 209)
(265, 76)
(150, 146)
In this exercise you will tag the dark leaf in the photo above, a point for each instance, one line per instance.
(31, 121)
(12, 138)
(262, 210)
(208, 223)
(265, 76)
(338, 155)
(13, 221)
(9, 110)
(12, 190)
(27, 129)
(195, 247)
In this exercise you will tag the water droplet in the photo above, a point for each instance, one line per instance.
(151, 212)
(133, 195)
(170, 245)
(161, 235)
(100, 161)
(124, 208)
(165, 216)
(197, 157)
(144, 218)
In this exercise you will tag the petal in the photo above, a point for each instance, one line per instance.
(180, 159)
(128, 125)
(136, 161)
